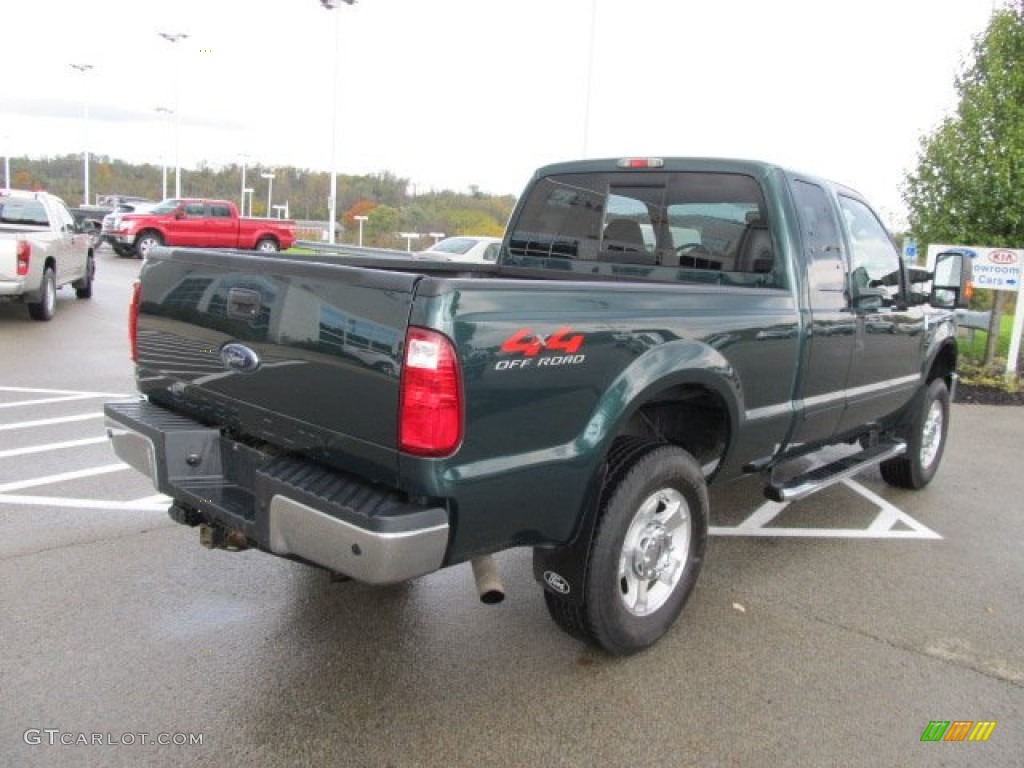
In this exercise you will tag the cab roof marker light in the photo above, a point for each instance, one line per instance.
(641, 162)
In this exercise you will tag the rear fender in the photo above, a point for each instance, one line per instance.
(562, 569)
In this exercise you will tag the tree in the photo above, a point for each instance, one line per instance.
(969, 183)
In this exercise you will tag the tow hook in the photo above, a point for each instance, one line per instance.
(216, 537)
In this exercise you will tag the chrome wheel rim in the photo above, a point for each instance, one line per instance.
(654, 552)
(146, 244)
(931, 434)
(268, 247)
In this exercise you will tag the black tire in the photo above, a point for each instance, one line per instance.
(45, 308)
(83, 287)
(647, 550)
(147, 240)
(267, 245)
(926, 441)
(124, 251)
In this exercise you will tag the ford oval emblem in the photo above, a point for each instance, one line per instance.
(557, 582)
(239, 357)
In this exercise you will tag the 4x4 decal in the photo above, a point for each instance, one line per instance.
(527, 347)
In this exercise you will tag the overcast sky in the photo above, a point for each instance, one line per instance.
(453, 93)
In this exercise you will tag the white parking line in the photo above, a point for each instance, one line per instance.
(105, 469)
(48, 422)
(45, 401)
(890, 523)
(36, 390)
(139, 505)
(51, 447)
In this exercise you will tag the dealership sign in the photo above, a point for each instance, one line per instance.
(997, 269)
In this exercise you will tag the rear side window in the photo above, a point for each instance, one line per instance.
(706, 227)
(220, 211)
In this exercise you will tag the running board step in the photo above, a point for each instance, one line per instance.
(830, 474)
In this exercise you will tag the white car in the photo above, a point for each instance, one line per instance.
(479, 250)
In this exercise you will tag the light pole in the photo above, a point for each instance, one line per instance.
(270, 189)
(360, 219)
(332, 200)
(242, 201)
(409, 237)
(174, 37)
(83, 68)
(7, 161)
(247, 191)
(163, 154)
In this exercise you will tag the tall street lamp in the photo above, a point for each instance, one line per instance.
(270, 189)
(242, 201)
(247, 192)
(174, 37)
(360, 219)
(7, 160)
(83, 68)
(332, 201)
(163, 154)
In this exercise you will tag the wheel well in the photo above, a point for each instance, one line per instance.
(689, 415)
(272, 238)
(943, 365)
(149, 231)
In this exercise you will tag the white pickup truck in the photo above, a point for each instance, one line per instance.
(41, 250)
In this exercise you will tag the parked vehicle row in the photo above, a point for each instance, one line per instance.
(41, 250)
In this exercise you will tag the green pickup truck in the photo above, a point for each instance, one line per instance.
(652, 326)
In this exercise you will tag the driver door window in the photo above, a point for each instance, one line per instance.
(875, 268)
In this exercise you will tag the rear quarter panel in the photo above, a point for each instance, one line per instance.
(537, 425)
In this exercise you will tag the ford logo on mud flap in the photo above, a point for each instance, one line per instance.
(557, 582)
(239, 357)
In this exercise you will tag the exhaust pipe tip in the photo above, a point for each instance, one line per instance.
(488, 582)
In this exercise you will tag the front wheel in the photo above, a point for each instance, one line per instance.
(83, 287)
(146, 242)
(646, 555)
(926, 441)
(45, 308)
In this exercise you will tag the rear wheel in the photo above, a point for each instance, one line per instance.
(267, 245)
(926, 441)
(646, 555)
(146, 242)
(46, 306)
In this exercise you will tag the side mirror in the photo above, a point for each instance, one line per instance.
(952, 285)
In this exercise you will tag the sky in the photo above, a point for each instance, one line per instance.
(458, 93)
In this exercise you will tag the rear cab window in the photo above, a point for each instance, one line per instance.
(673, 226)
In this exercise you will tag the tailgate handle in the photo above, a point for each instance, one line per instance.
(244, 303)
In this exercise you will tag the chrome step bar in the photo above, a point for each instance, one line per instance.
(829, 474)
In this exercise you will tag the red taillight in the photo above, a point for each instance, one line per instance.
(133, 321)
(430, 401)
(641, 162)
(23, 255)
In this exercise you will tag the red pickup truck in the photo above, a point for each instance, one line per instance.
(196, 222)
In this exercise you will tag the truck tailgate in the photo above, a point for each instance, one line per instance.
(316, 345)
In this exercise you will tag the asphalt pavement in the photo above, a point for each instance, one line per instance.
(832, 631)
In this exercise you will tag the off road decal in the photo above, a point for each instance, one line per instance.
(531, 350)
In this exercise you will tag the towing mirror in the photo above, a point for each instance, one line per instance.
(952, 285)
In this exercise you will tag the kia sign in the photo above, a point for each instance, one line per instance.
(997, 269)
